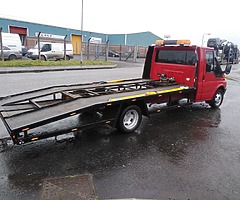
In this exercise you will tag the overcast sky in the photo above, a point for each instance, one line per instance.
(181, 19)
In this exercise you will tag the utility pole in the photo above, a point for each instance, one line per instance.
(81, 56)
(65, 47)
(39, 56)
(107, 49)
(2, 56)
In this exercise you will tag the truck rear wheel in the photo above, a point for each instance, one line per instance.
(217, 99)
(130, 119)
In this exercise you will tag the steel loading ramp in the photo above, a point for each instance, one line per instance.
(21, 115)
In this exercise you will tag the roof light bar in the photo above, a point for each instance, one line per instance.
(183, 42)
(159, 42)
(173, 42)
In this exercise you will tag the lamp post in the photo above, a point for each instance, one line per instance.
(81, 56)
(203, 37)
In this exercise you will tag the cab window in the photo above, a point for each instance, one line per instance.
(5, 48)
(181, 57)
(209, 61)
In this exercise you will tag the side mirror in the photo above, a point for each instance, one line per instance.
(228, 69)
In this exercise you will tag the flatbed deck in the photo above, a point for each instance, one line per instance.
(32, 109)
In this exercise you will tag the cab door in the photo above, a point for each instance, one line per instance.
(47, 51)
(209, 79)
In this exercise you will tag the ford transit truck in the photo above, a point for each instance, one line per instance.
(174, 71)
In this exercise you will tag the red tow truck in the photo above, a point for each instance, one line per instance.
(174, 71)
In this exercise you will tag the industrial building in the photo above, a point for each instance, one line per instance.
(29, 32)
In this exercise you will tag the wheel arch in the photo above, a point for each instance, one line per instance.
(67, 57)
(12, 55)
(141, 104)
(220, 87)
(45, 57)
(216, 101)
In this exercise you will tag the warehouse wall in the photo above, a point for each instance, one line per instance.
(140, 39)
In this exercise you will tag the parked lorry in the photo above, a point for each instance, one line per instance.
(50, 50)
(226, 51)
(174, 72)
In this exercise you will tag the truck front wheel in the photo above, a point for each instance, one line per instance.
(130, 119)
(217, 99)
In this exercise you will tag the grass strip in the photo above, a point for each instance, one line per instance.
(39, 63)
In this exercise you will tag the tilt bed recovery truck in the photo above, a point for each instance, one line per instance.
(174, 70)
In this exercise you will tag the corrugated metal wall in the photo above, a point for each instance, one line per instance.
(140, 39)
(134, 39)
(117, 39)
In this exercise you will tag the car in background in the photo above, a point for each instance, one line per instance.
(10, 54)
(214, 42)
(51, 51)
(112, 53)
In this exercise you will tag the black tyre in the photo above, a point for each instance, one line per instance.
(12, 57)
(67, 57)
(217, 99)
(130, 119)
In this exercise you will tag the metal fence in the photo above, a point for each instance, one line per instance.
(90, 51)
(98, 51)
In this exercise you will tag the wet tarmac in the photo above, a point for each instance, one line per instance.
(186, 153)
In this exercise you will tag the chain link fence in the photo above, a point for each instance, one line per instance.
(123, 52)
(90, 51)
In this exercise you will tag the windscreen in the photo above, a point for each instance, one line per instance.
(41, 45)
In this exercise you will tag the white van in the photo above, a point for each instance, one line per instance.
(12, 41)
(49, 50)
